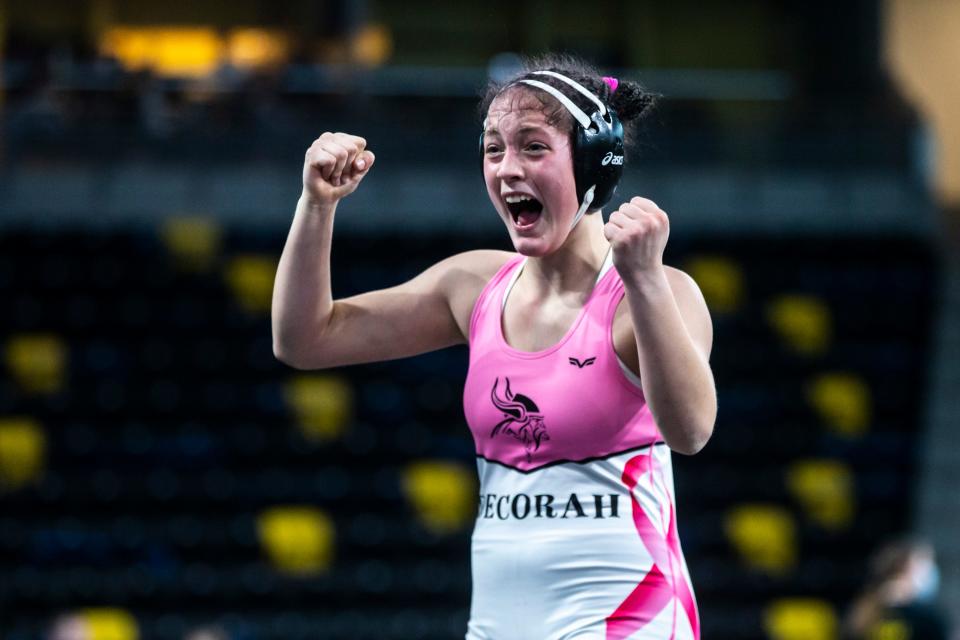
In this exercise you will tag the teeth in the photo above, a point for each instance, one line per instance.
(516, 199)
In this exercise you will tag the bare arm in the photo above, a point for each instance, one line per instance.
(429, 312)
(673, 334)
(302, 303)
(302, 298)
(313, 331)
(671, 326)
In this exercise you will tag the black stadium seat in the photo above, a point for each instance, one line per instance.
(174, 430)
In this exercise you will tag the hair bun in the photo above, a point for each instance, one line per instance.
(631, 101)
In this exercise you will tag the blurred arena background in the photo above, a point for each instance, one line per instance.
(162, 476)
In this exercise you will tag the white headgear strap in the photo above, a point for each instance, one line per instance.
(574, 110)
(579, 87)
(587, 200)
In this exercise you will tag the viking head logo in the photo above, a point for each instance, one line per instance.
(522, 418)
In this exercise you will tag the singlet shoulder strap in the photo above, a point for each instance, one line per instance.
(613, 292)
(509, 286)
(606, 266)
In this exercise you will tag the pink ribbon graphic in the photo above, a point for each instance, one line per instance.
(655, 590)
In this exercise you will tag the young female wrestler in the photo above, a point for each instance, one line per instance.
(589, 359)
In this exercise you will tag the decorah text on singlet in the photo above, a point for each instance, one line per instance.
(520, 506)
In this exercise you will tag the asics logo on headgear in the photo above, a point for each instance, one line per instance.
(611, 159)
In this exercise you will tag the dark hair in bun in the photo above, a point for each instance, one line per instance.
(631, 101)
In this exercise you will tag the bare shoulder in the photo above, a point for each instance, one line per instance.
(464, 276)
(693, 308)
(483, 263)
(685, 291)
(472, 268)
(684, 287)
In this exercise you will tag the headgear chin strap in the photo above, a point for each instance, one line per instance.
(587, 200)
(597, 144)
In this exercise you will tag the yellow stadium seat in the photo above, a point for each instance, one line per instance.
(38, 362)
(298, 539)
(843, 401)
(721, 281)
(251, 279)
(443, 494)
(193, 242)
(890, 629)
(803, 323)
(323, 405)
(800, 619)
(764, 537)
(825, 490)
(23, 447)
(110, 624)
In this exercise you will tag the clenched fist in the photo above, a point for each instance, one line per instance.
(334, 165)
(637, 233)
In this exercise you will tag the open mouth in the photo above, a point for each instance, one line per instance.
(524, 209)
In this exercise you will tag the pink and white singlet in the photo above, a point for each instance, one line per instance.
(576, 533)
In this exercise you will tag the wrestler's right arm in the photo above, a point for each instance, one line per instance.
(311, 330)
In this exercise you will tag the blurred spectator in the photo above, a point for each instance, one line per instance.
(206, 633)
(69, 627)
(898, 600)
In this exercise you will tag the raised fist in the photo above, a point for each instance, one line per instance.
(334, 165)
(637, 233)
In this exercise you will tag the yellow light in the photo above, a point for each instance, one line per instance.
(167, 51)
(372, 45)
(257, 48)
(129, 46)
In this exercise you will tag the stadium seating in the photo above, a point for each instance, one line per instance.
(160, 470)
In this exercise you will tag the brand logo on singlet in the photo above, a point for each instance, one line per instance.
(585, 363)
(522, 418)
(611, 159)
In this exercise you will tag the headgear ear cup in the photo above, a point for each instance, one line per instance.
(598, 158)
